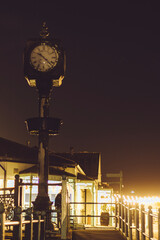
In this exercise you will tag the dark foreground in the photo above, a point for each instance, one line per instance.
(97, 235)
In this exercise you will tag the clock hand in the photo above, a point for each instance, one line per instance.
(38, 66)
(45, 59)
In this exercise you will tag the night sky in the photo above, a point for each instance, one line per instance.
(110, 97)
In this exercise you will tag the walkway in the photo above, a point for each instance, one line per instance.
(97, 235)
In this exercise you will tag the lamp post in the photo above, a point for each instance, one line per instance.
(44, 68)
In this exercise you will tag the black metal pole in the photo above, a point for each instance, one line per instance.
(42, 202)
(43, 149)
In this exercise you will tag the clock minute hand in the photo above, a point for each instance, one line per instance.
(44, 58)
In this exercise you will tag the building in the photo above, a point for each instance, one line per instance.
(83, 172)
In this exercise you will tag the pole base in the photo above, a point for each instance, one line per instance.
(42, 204)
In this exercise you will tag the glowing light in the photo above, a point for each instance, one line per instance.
(153, 201)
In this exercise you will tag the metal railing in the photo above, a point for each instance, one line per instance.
(22, 227)
(83, 212)
(136, 222)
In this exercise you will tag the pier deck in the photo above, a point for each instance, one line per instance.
(97, 235)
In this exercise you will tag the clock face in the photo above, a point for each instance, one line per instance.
(44, 58)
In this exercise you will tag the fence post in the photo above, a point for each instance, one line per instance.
(17, 229)
(31, 224)
(137, 220)
(2, 220)
(130, 221)
(116, 213)
(158, 223)
(39, 227)
(119, 218)
(150, 222)
(16, 195)
(20, 192)
(29, 227)
(126, 219)
(122, 219)
(20, 224)
(64, 214)
(142, 222)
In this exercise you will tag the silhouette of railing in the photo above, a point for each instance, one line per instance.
(28, 227)
(135, 222)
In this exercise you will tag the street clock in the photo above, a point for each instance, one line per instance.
(44, 60)
(44, 68)
(44, 57)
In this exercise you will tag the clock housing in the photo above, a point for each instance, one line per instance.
(44, 60)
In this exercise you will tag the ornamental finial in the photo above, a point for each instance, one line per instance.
(44, 31)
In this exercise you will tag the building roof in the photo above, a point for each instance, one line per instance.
(84, 177)
(56, 172)
(52, 171)
(14, 152)
(60, 161)
(89, 162)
